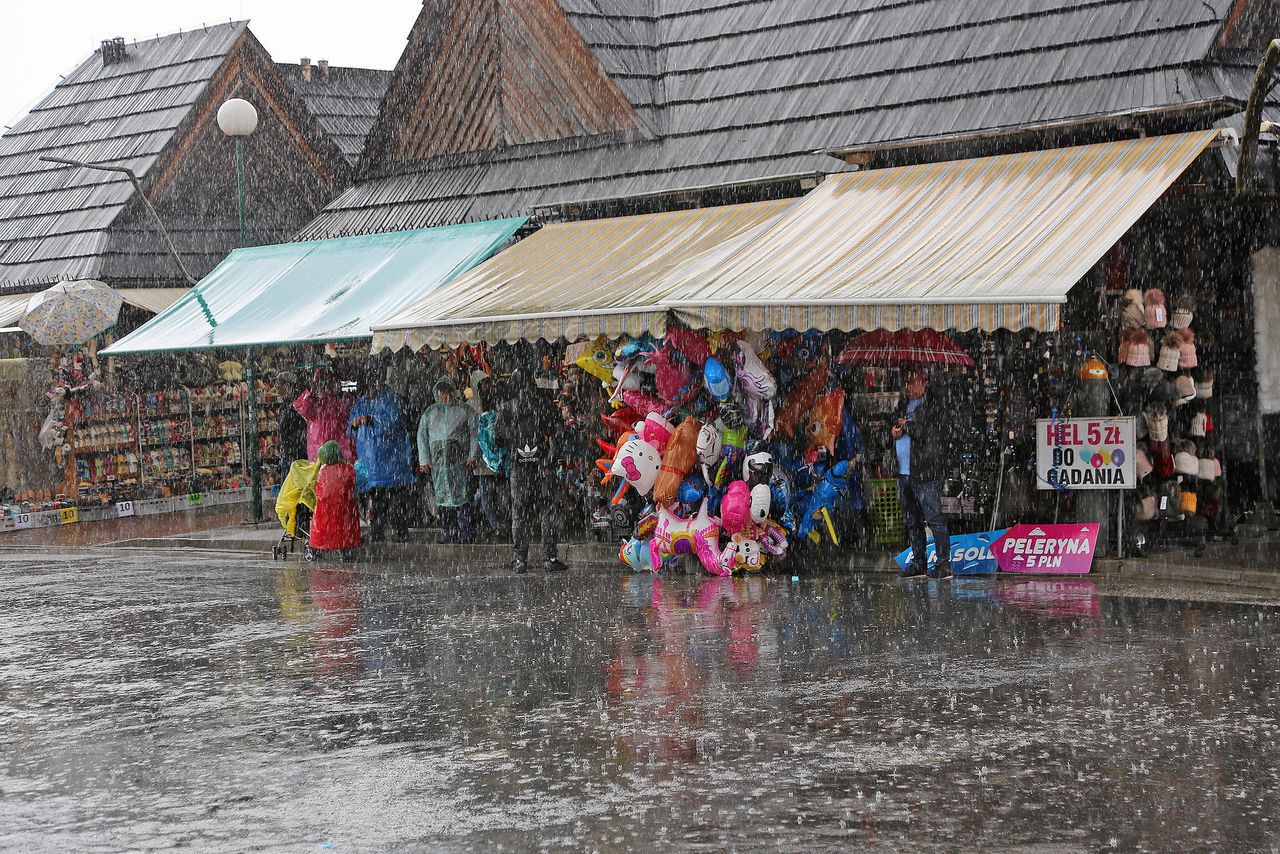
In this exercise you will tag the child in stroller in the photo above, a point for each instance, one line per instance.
(294, 506)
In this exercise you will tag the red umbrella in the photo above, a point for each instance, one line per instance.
(884, 349)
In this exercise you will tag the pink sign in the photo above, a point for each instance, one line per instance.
(1047, 549)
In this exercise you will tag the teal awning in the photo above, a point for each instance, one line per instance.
(317, 291)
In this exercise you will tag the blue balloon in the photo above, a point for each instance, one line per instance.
(716, 378)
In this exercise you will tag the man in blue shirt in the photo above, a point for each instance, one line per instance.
(918, 446)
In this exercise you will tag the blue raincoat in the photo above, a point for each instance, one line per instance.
(383, 447)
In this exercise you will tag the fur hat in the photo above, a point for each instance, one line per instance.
(1139, 351)
(1187, 353)
(1170, 352)
(1122, 349)
(1157, 418)
(1185, 461)
(1146, 509)
(1204, 383)
(1208, 469)
(1183, 309)
(1185, 388)
(1153, 308)
(1132, 315)
(1142, 463)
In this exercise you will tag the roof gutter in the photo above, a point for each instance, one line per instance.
(922, 149)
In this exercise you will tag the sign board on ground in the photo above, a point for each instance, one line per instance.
(1047, 549)
(970, 554)
(1086, 453)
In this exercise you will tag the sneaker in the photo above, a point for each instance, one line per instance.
(555, 565)
(912, 571)
(519, 566)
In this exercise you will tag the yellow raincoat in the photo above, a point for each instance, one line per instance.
(299, 487)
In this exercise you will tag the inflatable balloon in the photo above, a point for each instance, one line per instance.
(597, 360)
(801, 400)
(689, 344)
(677, 461)
(735, 507)
(757, 467)
(716, 379)
(708, 449)
(699, 535)
(674, 378)
(637, 462)
(621, 421)
(656, 430)
(733, 443)
(760, 503)
(825, 420)
(643, 403)
(741, 552)
(817, 514)
(635, 554)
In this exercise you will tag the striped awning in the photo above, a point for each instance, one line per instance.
(987, 243)
(578, 279)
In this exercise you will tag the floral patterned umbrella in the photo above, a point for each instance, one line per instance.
(71, 312)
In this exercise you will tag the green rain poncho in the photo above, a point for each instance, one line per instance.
(446, 441)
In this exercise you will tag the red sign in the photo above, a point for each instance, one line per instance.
(1047, 549)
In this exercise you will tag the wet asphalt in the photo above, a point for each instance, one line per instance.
(153, 701)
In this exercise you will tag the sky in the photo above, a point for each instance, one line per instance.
(45, 39)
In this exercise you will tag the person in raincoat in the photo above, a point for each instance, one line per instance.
(326, 412)
(448, 451)
(385, 453)
(336, 523)
(491, 475)
(526, 422)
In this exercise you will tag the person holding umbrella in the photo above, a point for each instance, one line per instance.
(918, 445)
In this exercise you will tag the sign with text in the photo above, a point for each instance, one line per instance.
(123, 509)
(68, 516)
(1048, 549)
(1086, 453)
(970, 554)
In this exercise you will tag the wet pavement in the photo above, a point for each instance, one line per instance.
(219, 702)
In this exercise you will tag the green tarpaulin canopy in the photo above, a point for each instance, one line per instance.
(317, 291)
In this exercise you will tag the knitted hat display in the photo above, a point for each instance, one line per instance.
(1183, 309)
(1142, 463)
(1146, 510)
(1185, 389)
(1208, 468)
(1157, 418)
(1187, 353)
(1162, 459)
(1122, 349)
(1139, 350)
(1132, 314)
(1185, 461)
(1187, 501)
(1170, 352)
(1153, 308)
(1199, 425)
(1204, 383)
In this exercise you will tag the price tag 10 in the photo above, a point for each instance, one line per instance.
(22, 521)
(69, 516)
(123, 509)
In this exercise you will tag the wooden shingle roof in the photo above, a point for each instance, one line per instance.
(740, 90)
(344, 100)
(54, 219)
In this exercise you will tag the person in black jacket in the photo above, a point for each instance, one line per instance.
(525, 423)
(919, 443)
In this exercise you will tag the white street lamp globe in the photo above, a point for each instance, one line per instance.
(237, 117)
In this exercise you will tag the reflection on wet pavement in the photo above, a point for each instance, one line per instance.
(219, 702)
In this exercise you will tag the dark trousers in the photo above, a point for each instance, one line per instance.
(922, 504)
(493, 495)
(533, 496)
(388, 505)
(455, 524)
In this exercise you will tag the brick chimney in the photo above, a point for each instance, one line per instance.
(113, 51)
(305, 68)
(323, 65)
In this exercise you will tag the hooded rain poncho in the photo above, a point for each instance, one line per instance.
(446, 442)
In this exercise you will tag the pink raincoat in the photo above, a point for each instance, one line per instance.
(327, 417)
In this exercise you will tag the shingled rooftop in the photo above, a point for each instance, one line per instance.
(731, 92)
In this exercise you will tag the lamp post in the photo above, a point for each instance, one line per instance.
(237, 118)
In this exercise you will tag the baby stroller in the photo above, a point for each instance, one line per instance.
(294, 506)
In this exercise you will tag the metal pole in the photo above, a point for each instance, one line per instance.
(240, 182)
(255, 469)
